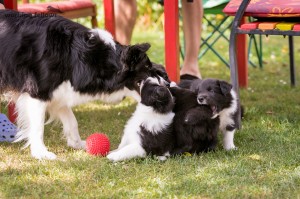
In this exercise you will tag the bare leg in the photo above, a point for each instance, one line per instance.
(192, 26)
(125, 16)
(70, 127)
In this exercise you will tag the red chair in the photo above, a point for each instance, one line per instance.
(70, 9)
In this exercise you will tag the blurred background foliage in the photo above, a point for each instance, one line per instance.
(150, 14)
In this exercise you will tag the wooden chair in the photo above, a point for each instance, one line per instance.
(70, 9)
(270, 16)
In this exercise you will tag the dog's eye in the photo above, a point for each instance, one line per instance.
(210, 90)
(138, 83)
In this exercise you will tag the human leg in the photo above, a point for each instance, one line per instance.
(192, 26)
(125, 17)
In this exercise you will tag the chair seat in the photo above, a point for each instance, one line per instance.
(266, 8)
(56, 7)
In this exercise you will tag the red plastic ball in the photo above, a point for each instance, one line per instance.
(97, 144)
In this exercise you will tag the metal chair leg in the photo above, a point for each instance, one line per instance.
(292, 61)
(234, 72)
(233, 58)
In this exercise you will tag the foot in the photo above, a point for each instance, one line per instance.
(162, 158)
(188, 77)
(115, 156)
(42, 153)
(230, 147)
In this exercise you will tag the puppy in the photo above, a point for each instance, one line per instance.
(149, 130)
(48, 65)
(195, 126)
(222, 100)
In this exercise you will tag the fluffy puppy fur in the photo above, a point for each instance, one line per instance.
(149, 130)
(49, 64)
(194, 125)
(222, 100)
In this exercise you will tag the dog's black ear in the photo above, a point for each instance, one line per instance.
(144, 47)
(135, 55)
(225, 87)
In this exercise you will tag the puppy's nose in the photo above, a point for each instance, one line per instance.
(201, 98)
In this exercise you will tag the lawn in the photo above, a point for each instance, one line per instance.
(266, 164)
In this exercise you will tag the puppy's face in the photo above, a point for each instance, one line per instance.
(139, 68)
(214, 93)
(155, 93)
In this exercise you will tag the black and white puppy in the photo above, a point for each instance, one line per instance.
(49, 64)
(149, 130)
(195, 126)
(222, 100)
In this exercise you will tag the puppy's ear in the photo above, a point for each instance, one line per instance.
(225, 87)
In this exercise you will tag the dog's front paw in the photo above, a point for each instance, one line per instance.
(230, 147)
(43, 154)
(114, 156)
(162, 158)
(80, 144)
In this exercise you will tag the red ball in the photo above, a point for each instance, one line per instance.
(97, 144)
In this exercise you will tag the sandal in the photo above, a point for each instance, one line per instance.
(188, 77)
(8, 130)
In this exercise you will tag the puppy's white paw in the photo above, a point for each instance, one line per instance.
(43, 154)
(79, 144)
(114, 156)
(162, 158)
(173, 84)
(230, 147)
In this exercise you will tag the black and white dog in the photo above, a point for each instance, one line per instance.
(222, 99)
(195, 126)
(51, 64)
(150, 129)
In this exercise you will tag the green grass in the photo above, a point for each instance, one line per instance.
(266, 164)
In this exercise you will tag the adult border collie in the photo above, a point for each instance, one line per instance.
(49, 64)
(222, 99)
(150, 129)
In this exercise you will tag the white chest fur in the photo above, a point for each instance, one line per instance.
(65, 95)
(149, 119)
(226, 114)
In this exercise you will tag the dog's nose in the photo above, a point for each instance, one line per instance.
(201, 98)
